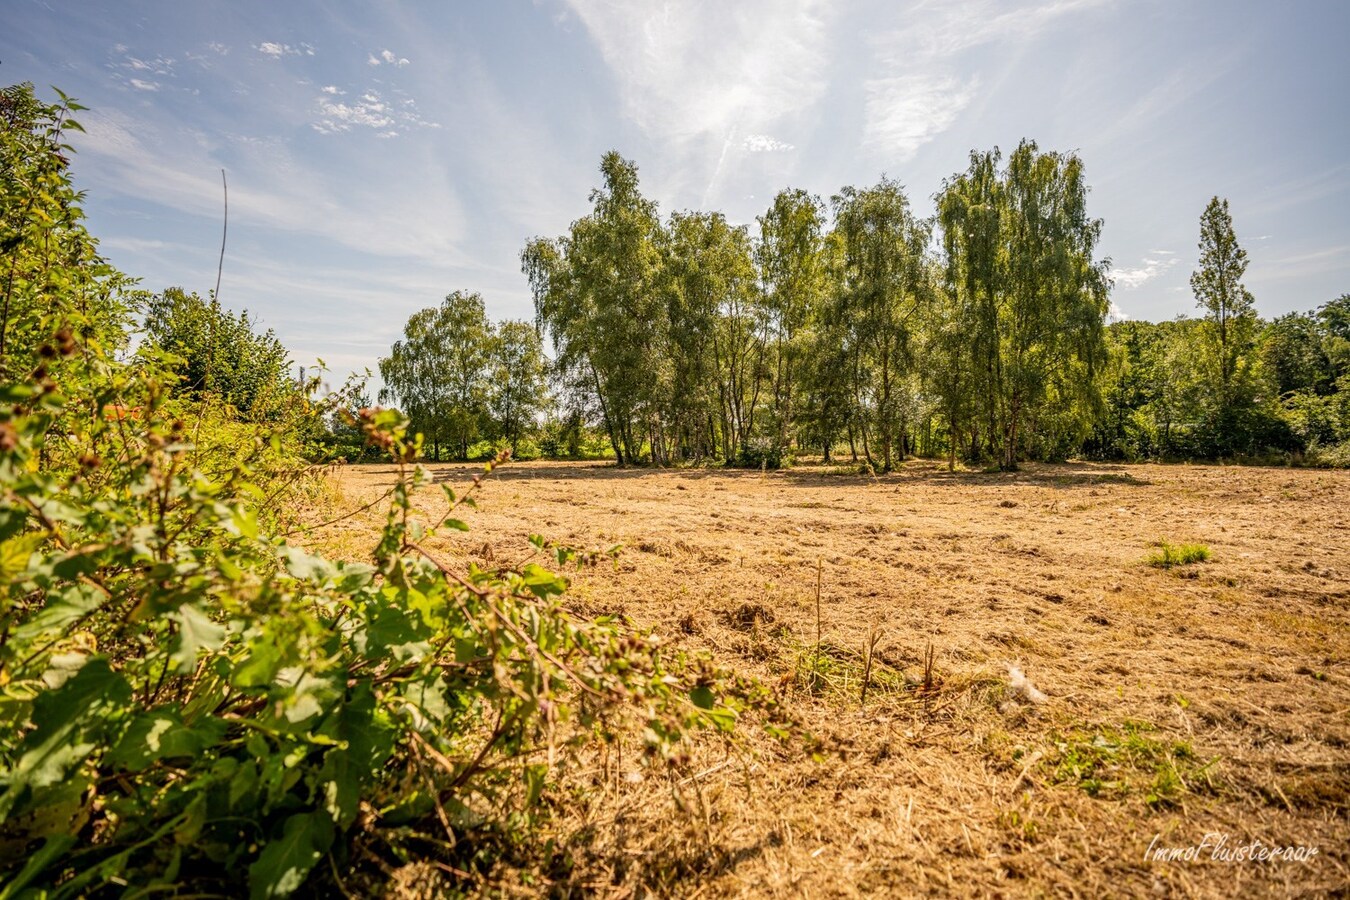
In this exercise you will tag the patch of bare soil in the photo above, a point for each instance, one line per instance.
(1206, 699)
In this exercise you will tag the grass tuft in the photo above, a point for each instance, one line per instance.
(1168, 555)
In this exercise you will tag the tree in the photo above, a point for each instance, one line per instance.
(885, 289)
(791, 271)
(596, 293)
(714, 333)
(220, 353)
(1229, 307)
(1293, 354)
(438, 373)
(517, 392)
(1019, 251)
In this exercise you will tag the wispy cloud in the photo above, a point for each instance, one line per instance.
(1151, 268)
(908, 111)
(140, 85)
(694, 69)
(918, 89)
(274, 187)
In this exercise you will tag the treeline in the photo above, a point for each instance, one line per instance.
(978, 333)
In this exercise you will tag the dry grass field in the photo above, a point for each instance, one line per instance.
(1207, 698)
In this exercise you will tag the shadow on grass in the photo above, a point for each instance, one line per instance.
(1053, 475)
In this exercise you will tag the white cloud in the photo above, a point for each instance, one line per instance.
(272, 187)
(698, 69)
(140, 85)
(1116, 314)
(277, 50)
(907, 111)
(333, 90)
(1151, 268)
(388, 58)
(762, 143)
(917, 89)
(372, 110)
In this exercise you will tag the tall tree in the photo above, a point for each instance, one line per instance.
(1020, 249)
(517, 390)
(712, 296)
(1229, 307)
(791, 270)
(438, 372)
(885, 290)
(597, 295)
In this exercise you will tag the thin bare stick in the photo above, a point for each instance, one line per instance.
(224, 230)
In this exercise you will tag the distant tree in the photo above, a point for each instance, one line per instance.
(517, 391)
(885, 290)
(789, 255)
(1335, 318)
(221, 353)
(1293, 352)
(597, 295)
(1020, 250)
(1229, 307)
(438, 372)
(715, 335)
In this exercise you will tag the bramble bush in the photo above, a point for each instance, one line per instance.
(189, 699)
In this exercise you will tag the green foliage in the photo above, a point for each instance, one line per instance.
(191, 702)
(1168, 555)
(438, 374)
(1119, 762)
(51, 277)
(216, 352)
(1030, 299)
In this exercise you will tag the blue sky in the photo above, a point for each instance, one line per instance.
(383, 154)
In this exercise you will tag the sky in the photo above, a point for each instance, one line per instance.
(381, 155)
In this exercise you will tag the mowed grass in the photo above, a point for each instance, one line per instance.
(889, 611)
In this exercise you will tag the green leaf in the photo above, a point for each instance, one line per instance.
(69, 723)
(305, 566)
(259, 665)
(161, 734)
(702, 697)
(542, 582)
(285, 862)
(14, 555)
(196, 632)
(61, 610)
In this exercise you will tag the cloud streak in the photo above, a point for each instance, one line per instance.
(919, 88)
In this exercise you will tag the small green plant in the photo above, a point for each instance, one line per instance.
(1129, 760)
(1168, 555)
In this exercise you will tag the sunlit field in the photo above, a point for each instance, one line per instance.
(1150, 705)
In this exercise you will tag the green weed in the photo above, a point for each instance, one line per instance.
(1168, 555)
